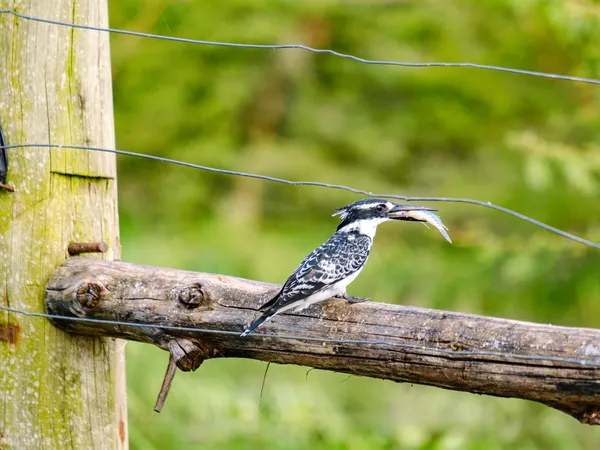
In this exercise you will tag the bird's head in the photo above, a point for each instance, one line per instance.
(364, 216)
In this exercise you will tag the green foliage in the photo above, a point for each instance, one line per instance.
(527, 143)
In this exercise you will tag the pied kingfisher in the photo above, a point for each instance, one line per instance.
(330, 268)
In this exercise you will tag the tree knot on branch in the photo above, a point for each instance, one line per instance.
(192, 295)
(89, 294)
(188, 354)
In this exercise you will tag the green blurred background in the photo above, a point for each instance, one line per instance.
(527, 143)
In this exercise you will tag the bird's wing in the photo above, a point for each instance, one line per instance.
(336, 259)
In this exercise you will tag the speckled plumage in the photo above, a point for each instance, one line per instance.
(323, 274)
(341, 256)
(331, 267)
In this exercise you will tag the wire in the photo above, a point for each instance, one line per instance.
(316, 183)
(302, 47)
(419, 349)
(311, 183)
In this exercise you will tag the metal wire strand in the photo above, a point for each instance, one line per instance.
(303, 47)
(420, 349)
(316, 183)
(330, 52)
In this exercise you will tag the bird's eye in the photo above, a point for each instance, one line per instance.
(380, 207)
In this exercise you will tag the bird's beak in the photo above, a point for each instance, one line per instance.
(408, 212)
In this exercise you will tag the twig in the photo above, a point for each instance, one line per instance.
(166, 385)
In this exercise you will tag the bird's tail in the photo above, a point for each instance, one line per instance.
(258, 322)
(269, 311)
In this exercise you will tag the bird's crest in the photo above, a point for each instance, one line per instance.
(365, 204)
(342, 212)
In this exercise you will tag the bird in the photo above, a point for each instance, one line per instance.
(330, 268)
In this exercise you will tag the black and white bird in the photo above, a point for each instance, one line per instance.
(330, 268)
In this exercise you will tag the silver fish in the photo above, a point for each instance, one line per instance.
(429, 217)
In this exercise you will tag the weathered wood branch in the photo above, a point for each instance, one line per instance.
(450, 350)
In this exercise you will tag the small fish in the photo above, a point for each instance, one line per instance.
(433, 219)
(426, 217)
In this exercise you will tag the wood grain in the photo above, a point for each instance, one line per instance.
(456, 351)
(55, 87)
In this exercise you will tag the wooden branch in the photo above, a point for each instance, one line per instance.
(482, 355)
(56, 392)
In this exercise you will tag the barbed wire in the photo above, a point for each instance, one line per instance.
(317, 184)
(420, 349)
(303, 47)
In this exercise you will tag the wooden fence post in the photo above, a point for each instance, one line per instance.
(56, 391)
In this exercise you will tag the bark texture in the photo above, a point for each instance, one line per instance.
(449, 350)
(57, 391)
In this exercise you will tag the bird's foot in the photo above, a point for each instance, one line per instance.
(352, 299)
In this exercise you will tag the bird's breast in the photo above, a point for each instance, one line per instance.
(343, 284)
